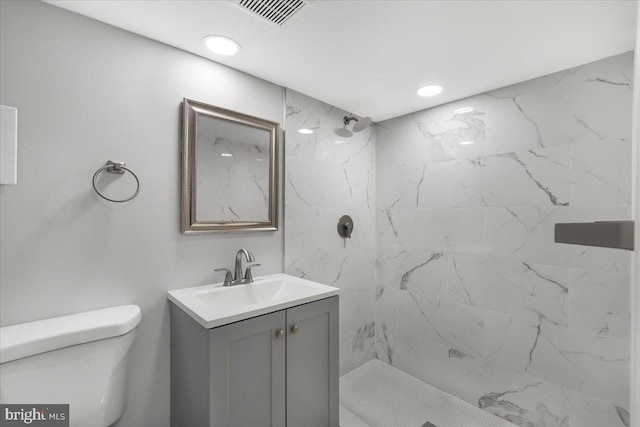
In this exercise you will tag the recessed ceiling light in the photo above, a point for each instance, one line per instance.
(339, 141)
(463, 110)
(466, 142)
(226, 155)
(221, 45)
(430, 90)
(305, 131)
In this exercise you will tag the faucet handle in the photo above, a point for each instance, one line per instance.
(248, 278)
(228, 278)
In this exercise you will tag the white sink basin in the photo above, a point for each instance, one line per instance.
(216, 305)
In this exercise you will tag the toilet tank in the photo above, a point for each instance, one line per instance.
(79, 359)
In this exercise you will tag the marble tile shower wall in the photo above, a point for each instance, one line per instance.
(323, 181)
(472, 294)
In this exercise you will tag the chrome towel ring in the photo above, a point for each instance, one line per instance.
(115, 167)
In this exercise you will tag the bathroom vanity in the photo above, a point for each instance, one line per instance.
(262, 354)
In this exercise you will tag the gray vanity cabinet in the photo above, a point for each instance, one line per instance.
(275, 370)
(247, 372)
(312, 364)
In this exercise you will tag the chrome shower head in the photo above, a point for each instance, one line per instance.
(343, 132)
(361, 124)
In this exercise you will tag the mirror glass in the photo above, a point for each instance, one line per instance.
(229, 168)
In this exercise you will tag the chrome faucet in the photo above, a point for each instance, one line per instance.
(237, 277)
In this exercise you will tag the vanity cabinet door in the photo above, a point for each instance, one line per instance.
(312, 364)
(247, 372)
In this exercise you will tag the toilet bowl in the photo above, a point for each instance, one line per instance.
(80, 360)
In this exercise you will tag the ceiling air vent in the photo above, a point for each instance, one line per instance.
(275, 12)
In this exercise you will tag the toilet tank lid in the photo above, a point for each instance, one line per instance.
(31, 338)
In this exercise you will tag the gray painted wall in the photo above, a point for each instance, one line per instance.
(87, 92)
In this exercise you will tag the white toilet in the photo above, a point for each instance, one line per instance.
(80, 360)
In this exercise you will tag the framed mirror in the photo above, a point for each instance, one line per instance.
(229, 171)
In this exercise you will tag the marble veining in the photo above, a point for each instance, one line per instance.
(473, 295)
(362, 334)
(476, 379)
(323, 181)
(452, 274)
(530, 120)
(600, 302)
(499, 404)
(407, 275)
(385, 344)
(587, 411)
(444, 134)
(625, 418)
(552, 198)
(352, 354)
(235, 188)
(526, 233)
(599, 173)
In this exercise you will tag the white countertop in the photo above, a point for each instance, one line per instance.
(217, 305)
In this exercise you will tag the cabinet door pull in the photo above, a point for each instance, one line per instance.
(280, 334)
(295, 329)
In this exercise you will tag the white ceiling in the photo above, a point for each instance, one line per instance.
(369, 57)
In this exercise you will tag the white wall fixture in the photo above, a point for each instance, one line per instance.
(8, 145)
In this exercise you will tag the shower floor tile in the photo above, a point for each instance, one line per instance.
(383, 396)
(347, 419)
